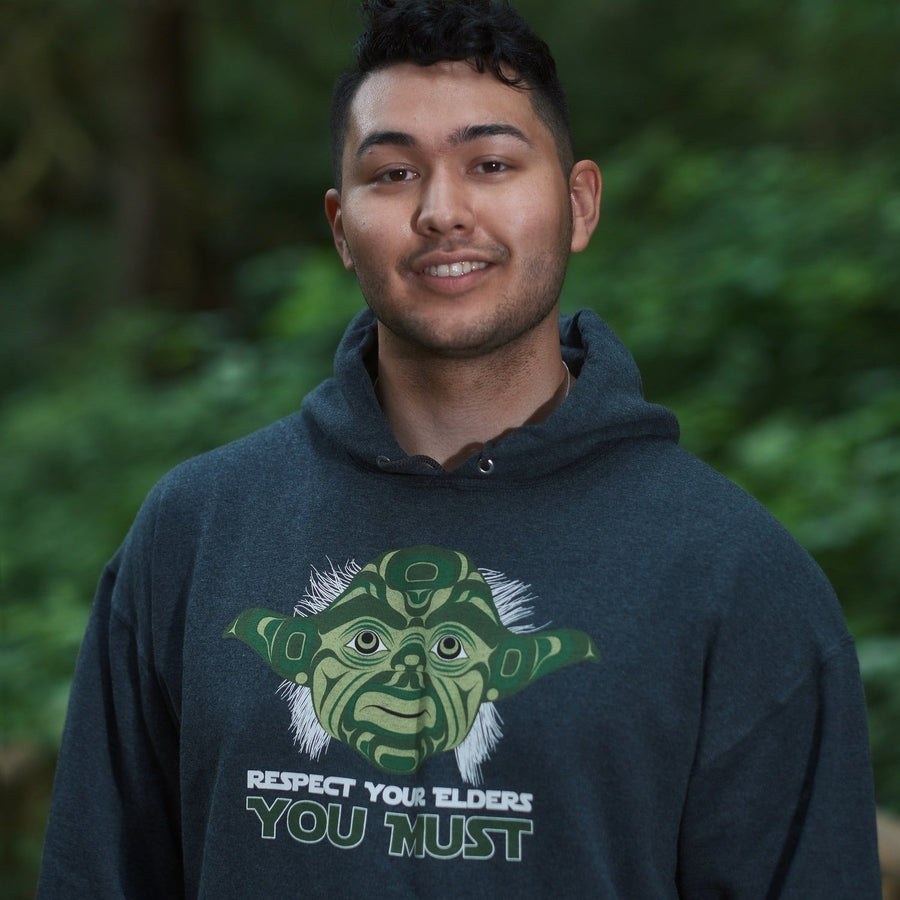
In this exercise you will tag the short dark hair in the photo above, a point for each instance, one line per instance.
(490, 35)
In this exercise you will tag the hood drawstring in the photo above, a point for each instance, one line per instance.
(411, 465)
(408, 464)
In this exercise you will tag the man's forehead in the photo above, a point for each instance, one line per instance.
(437, 102)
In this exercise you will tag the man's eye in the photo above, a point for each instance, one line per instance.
(449, 647)
(395, 176)
(367, 643)
(491, 167)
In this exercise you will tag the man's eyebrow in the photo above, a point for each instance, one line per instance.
(463, 135)
(492, 129)
(385, 138)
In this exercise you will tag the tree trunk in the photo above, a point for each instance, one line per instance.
(163, 189)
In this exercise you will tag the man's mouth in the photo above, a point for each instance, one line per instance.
(455, 270)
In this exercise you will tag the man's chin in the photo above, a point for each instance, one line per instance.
(459, 340)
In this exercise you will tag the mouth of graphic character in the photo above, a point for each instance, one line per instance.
(404, 713)
(399, 715)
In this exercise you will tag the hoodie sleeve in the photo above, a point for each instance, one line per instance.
(114, 822)
(780, 801)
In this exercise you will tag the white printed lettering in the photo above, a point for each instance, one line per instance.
(374, 790)
(495, 801)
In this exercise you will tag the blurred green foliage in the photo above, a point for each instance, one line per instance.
(747, 255)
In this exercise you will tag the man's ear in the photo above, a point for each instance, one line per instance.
(335, 220)
(585, 185)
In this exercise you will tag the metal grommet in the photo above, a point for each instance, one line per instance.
(485, 466)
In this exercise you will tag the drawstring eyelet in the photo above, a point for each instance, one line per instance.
(485, 465)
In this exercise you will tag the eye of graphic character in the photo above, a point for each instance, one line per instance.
(366, 643)
(449, 647)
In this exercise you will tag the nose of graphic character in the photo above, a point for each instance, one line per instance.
(444, 207)
(409, 664)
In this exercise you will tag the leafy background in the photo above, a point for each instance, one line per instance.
(167, 281)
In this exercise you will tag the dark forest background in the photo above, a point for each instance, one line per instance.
(167, 281)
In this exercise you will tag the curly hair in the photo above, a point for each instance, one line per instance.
(489, 35)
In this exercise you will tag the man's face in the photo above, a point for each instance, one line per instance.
(454, 212)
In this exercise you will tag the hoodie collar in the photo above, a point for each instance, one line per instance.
(606, 405)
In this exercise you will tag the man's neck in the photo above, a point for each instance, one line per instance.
(449, 408)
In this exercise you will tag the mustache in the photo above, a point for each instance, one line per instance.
(494, 253)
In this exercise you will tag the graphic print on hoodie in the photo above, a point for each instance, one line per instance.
(405, 657)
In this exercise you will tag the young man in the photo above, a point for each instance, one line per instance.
(470, 623)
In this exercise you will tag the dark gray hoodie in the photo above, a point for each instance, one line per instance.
(581, 664)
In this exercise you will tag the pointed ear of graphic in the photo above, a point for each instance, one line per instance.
(286, 643)
(522, 659)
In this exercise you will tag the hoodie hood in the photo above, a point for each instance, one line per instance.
(605, 406)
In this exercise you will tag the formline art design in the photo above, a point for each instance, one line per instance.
(405, 657)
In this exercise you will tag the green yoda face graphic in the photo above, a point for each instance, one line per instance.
(400, 662)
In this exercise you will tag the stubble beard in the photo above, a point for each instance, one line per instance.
(504, 323)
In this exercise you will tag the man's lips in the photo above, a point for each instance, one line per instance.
(455, 269)
(454, 262)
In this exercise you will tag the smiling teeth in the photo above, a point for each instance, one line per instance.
(455, 270)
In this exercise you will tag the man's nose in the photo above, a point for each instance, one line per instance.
(445, 205)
